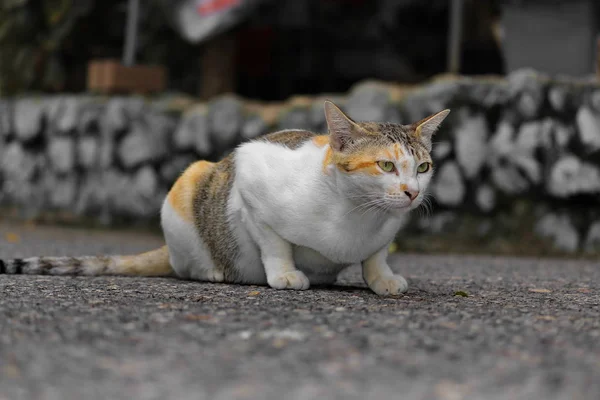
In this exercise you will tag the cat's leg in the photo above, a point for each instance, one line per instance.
(380, 278)
(278, 261)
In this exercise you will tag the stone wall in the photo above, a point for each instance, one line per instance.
(517, 159)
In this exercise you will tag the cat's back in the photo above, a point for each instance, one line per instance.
(290, 138)
(279, 163)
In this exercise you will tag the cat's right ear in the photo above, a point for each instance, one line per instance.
(341, 128)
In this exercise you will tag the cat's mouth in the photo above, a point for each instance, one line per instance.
(396, 203)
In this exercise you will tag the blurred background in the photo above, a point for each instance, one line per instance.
(104, 103)
(271, 50)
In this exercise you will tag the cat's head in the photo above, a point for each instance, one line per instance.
(381, 166)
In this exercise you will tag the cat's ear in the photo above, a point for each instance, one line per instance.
(425, 128)
(341, 128)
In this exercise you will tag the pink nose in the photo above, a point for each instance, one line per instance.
(412, 194)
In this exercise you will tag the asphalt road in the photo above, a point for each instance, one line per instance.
(529, 329)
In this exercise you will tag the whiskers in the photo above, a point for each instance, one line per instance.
(373, 203)
(425, 209)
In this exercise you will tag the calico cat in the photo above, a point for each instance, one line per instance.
(288, 209)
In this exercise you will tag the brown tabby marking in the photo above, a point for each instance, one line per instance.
(210, 215)
(290, 138)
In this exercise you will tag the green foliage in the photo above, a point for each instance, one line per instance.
(31, 32)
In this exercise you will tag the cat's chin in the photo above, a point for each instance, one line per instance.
(400, 211)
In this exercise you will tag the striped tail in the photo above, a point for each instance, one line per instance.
(152, 263)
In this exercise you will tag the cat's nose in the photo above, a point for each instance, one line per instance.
(412, 194)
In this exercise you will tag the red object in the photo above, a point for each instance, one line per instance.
(208, 7)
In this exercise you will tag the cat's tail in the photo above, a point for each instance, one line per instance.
(152, 263)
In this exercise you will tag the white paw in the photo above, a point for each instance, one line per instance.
(215, 276)
(389, 285)
(290, 280)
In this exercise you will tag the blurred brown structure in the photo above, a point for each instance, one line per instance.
(110, 77)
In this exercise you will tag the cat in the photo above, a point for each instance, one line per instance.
(288, 209)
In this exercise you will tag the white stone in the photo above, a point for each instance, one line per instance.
(87, 151)
(559, 228)
(557, 95)
(145, 182)
(296, 118)
(114, 118)
(70, 113)
(193, 132)
(28, 118)
(106, 152)
(61, 152)
(448, 186)
(141, 145)
(368, 102)
(508, 179)
(254, 127)
(89, 121)
(529, 136)
(562, 134)
(17, 164)
(471, 144)
(225, 121)
(501, 142)
(589, 128)
(485, 197)
(570, 176)
(120, 112)
(441, 150)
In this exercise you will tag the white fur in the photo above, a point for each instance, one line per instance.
(188, 255)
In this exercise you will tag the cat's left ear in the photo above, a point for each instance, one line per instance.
(425, 128)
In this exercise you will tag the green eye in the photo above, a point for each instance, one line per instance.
(424, 167)
(387, 166)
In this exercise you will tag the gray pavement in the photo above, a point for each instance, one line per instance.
(529, 329)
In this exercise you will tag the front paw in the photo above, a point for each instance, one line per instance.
(389, 285)
(290, 280)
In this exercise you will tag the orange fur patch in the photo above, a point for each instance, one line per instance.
(327, 160)
(361, 163)
(398, 151)
(403, 187)
(321, 141)
(181, 195)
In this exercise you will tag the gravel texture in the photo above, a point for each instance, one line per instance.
(529, 329)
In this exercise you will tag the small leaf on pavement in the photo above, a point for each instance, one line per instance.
(534, 290)
(12, 237)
